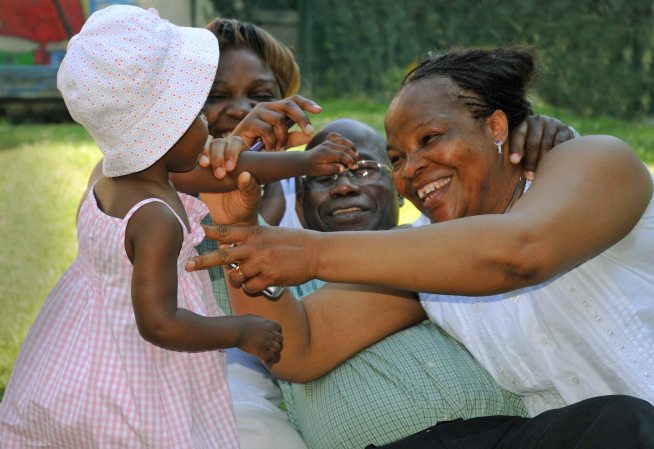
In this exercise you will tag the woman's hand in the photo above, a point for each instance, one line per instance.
(267, 256)
(239, 207)
(266, 121)
(320, 161)
(533, 138)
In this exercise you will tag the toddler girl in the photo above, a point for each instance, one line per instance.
(128, 349)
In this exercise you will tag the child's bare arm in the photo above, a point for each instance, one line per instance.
(269, 167)
(152, 242)
(227, 158)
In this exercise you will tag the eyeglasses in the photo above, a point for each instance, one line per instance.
(367, 173)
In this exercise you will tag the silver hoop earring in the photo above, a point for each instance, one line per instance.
(498, 144)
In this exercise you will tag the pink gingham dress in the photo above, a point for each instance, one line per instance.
(85, 378)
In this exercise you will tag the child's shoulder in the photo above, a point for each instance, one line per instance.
(155, 228)
(120, 198)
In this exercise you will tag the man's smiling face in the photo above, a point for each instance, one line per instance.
(348, 206)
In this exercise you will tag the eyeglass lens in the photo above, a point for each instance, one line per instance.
(366, 173)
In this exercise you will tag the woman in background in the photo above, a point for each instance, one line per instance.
(254, 68)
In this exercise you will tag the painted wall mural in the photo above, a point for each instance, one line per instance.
(34, 35)
(36, 32)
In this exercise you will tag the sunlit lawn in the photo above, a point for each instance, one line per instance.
(43, 172)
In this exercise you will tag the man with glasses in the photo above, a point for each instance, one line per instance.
(356, 200)
(408, 381)
(373, 163)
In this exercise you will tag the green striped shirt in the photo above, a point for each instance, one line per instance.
(405, 383)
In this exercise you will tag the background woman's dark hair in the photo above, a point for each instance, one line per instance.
(497, 78)
(232, 33)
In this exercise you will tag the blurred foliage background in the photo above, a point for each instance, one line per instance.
(596, 55)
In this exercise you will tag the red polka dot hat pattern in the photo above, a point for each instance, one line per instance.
(136, 82)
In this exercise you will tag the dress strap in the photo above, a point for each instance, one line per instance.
(148, 201)
(129, 215)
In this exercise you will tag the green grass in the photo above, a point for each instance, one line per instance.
(638, 134)
(370, 113)
(43, 173)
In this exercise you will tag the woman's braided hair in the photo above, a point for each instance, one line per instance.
(498, 79)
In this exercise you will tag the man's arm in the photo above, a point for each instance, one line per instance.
(329, 326)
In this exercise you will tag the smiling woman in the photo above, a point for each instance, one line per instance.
(475, 182)
(254, 68)
(549, 288)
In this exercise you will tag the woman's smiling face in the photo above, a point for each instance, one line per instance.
(443, 159)
(243, 79)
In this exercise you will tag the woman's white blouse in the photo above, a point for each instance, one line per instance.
(588, 332)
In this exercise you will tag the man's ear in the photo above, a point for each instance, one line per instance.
(298, 186)
(299, 207)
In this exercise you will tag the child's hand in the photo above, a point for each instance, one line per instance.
(330, 156)
(222, 154)
(266, 121)
(261, 337)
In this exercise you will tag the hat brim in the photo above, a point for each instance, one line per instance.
(192, 71)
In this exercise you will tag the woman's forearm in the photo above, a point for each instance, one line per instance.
(264, 167)
(579, 206)
(472, 256)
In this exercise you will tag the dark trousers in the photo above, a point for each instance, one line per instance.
(604, 422)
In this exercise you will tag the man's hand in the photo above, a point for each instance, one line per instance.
(533, 138)
(239, 207)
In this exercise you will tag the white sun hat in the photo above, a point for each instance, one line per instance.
(136, 82)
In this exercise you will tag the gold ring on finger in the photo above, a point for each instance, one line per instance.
(238, 270)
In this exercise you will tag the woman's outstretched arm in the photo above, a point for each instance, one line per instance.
(589, 194)
(329, 326)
